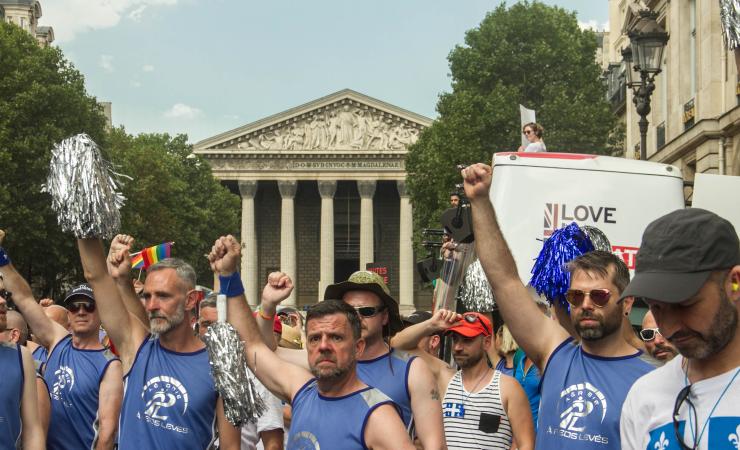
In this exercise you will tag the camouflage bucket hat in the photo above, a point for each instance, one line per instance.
(364, 280)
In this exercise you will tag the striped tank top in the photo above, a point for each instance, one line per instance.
(475, 420)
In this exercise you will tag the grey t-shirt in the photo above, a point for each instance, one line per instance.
(536, 147)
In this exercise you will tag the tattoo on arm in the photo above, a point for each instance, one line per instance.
(435, 394)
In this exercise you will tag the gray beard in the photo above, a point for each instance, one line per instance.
(157, 327)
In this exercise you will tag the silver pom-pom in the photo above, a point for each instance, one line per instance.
(228, 362)
(597, 238)
(729, 13)
(475, 292)
(84, 189)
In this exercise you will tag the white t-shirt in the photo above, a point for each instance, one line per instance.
(535, 147)
(647, 414)
(271, 419)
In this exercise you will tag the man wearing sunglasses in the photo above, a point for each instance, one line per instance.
(482, 408)
(688, 272)
(84, 378)
(406, 379)
(655, 343)
(583, 385)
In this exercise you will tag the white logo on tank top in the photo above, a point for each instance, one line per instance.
(65, 381)
(164, 396)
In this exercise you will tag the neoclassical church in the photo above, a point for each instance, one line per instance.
(323, 194)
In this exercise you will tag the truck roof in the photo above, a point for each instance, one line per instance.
(576, 161)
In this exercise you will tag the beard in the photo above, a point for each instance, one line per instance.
(721, 332)
(168, 323)
(607, 325)
(334, 373)
(468, 361)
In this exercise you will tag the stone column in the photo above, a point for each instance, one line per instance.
(287, 235)
(405, 252)
(367, 190)
(251, 281)
(327, 189)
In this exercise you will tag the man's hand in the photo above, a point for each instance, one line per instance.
(477, 180)
(278, 288)
(224, 256)
(119, 259)
(442, 320)
(46, 302)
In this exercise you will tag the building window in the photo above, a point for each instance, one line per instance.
(23, 22)
(660, 136)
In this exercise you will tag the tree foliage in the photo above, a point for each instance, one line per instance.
(42, 101)
(530, 54)
(172, 197)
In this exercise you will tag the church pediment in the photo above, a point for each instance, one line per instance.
(346, 120)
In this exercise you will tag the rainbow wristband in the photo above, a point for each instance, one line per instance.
(4, 258)
(231, 286)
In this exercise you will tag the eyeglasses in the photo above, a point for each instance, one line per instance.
(683, 396)
(528, 131)
(369, 311)
(472, 318)
(76, 306)
(600, 297)
(648, 334)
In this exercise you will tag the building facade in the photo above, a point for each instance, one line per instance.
(323, 193)
(26, 14)
(695, 118)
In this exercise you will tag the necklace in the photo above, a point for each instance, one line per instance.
(697, 440)
(462, 382)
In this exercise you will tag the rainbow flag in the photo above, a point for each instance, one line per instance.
(151, 255)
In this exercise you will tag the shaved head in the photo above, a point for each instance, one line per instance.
(58, 314)
(16, 320)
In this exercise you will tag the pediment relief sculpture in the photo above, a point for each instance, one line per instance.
(346, 127)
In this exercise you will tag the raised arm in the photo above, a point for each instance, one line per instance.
(47, 332)
(278, 288)
(119, 267)
(281, 378)
(517, 308)
(126, 333)
(32, 434)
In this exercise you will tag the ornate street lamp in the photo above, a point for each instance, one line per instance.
(644, 55)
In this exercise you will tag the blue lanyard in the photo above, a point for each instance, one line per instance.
(697, 441)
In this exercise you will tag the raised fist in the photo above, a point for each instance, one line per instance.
(225, 255)
(477, 180)
(119, 258)
(278, 288)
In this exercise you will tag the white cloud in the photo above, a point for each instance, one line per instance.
(106, 62)
(182, 111)
(72, 17)
(593, 25)
(147, 68)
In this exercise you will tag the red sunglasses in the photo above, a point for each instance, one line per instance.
(600, 297)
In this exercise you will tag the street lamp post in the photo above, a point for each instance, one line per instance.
(644, 55)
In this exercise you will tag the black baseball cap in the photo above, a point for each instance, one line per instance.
(678, 253)
(83, 290)
(417, 317)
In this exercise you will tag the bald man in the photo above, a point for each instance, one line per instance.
(655, 343)
(16, 328)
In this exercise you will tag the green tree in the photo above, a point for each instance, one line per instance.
(172, 197)
(42, 101)
(530, 54)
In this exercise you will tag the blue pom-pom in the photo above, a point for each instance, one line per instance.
(550, 276)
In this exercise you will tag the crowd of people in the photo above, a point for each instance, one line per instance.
(118, 365)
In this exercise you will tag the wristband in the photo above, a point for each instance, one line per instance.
(4, 258)
(262, 314)
(231, 285)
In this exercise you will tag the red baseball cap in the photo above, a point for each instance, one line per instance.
(472, 324)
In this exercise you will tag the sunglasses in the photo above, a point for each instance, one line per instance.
(683, 397)
(528, 131)
(76, 306)
(369, 311)
(600, 297)
(472, 318)
(648, 334)
(6, 294)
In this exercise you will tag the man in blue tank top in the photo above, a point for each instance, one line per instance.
(406, 379)
(20, 426)
(83, 377)
(583, 385)
(332, 407)
(170, 400)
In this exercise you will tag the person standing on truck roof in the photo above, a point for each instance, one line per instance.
(533, 132)
(585, 384)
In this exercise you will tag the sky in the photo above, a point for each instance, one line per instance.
(202, 67)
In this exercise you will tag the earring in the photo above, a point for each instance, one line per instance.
(735, 286)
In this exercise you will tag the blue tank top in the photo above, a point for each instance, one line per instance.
(40, 355)
(530, 382)
(582, 398)
(169, 400)
(11, 392)
(390, 374)
(332, 422)
(73, 377)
